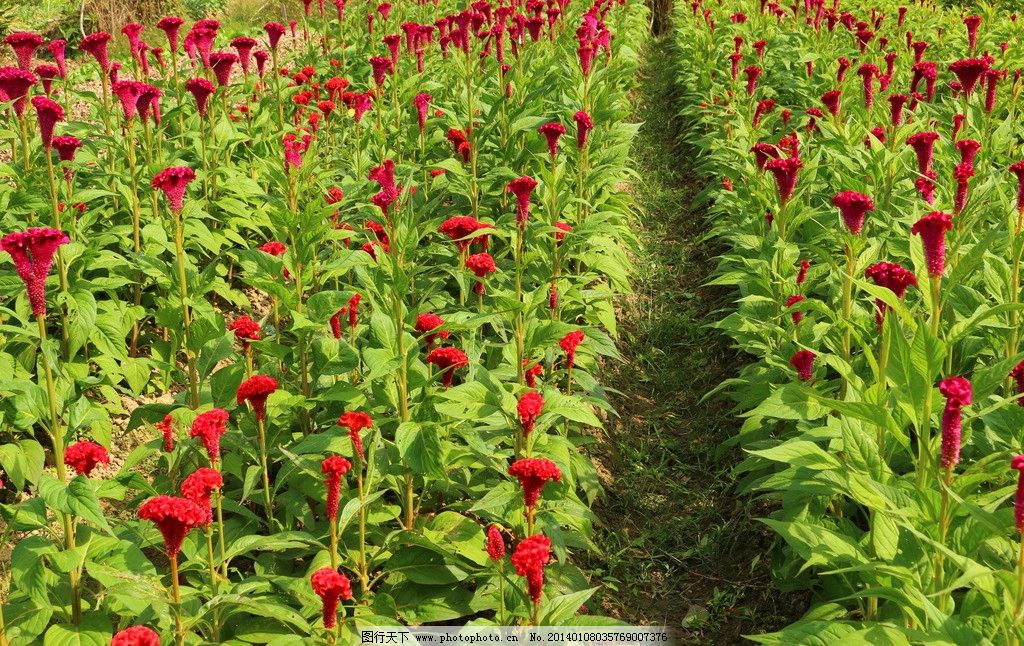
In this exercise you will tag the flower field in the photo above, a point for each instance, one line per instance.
(301, 324)
(869, 189)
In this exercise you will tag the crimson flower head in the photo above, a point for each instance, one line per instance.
(533, 474)
(584, 124)
(427, 324)
(785, 174)
(763, 153)
(495, 543)
(481, 264)
(332, 587)
(274, 248)
(448, 359)
(790, 302)
(32, 251)
(166, 428)
(422, 103)
(932, 228)
(199, 486)
(530, 374)
(255, 390)
(459, 228)
(174, 517)
(753, 72)
(853, 207)
(201, 89)
(569, 343)
(1017, 168)
(261, 61)
(222, 62)
(14, 85)
(803, 361)
(173, 181)
(1018, 500)
(24, 45)
(136, 636)
(963, 172)
(96, 46)
(244, 46)
(923, 144)
(896, 103)
(66, 146)
(245, 330)
(831, 99)
(355, 422)
(84, 456)
(522, 187)
(48, 113)
(552, 131)
(334, 467)
(969, 70)
(968, 149)
(801, 276)
(381, 67)
(47, 73)
(171, 25)
(209, 427)
(57, 47)
(529, 408)
(972, 23)
(868, 72)
(957, 392)
(274, 32)
(893, 277)
(529, 558)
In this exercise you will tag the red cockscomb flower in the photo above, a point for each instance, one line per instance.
(969, 70)
(48, 113)
(173, 182)
(166, 428)
(32, 251)
(171, 25)
(803, 361)
(66, 146)
(96, 45)
(14, 85)
(255, 390)
(530, 374)
(57, 47)
(1017, 169)
(529, 408)
(24, 45)
(533, 474)
(245, 330)
(961, 174)
(753, 72)
(136, 636)
(785, 174)
(199, 486)
(274, 248)
(831, 99)
(529, 558)
(274, 32)
(569, 343)
(201, 89)
(355, 422)
(222, 63)
(209, 427)
(84, 456)
(1018, 500)
(481, 264)
(972, 23)
(853, 207)
(957, 392)
(128, 92)
(244, 46)
(427, 324)
(47, 73)
(422, 103)
(448, 359)
(552, 131)
(584, 124)
(932, 228)
(797, 316)
(334, 467)
(331, 587)
(923, 144)
(893, 277)
(459, 228)
(174, 517)
(522, 187)
(495, 543)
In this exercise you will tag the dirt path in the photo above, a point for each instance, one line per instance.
(680, 546)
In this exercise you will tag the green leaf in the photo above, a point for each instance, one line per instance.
(420, 448)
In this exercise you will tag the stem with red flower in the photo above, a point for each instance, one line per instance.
(214, 579)
(217, 495)
(556, 269)
(176, 600)
(62, 272)
(364, 574)
(261, 435)
(851, 265)
(277, 89)
(136, 229)
(26, 154)
(179, 249)
(944, 519)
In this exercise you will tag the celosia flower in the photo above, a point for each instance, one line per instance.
(84, 456)
(868, 72)
(149, 103)
(831, 99)
(896, 103)
(569, 343)
(245, 330)
(222, 62)
(47, 73)
(584, 124)
(459, 228)
(331, 587)
(893, 277)
(244, 46)
(261, 61)
(274, 32)
(533, 474)
(32, 251)
(274, 248)
(957, 392)
(66, 146)
(972, 22)
(529, 408)
(552, 131)
(529, 558)
(136, 636)
(495, 543)
(803, 361)
(199, 486)
(201, 90)
(753, 72)
(96, 45)
(1018, 499)
(530, 374)
(334, 467)
(1017, 169)
(174, 517)
(968, 71)
(128, 92)
(381, 67)
(48, 113)
(926, 185)
(785, 173)
(481, 264)
(170, 26)
(24, 45)
(57, 47)
(173, 182)
(844, 64)
(355, 422)
(203, 36)
(763, 153)
(923, 144)
(255, 390)
(968, 150)
(961, 174)
(932, 228)
(561, 230)
(801, 275)
(853, 207)
(14, 85)
(209, 427)
(448, 359)
(166, 428)
(797, 315)
(427, 324)
(522, 187)
(764, 106)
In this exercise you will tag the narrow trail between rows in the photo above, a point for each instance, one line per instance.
(680, 547)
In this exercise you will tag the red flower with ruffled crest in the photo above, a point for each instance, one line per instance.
(529, 408)
(422, 103)
(209, 427)
(96, 45)
(831, 99)
(868, 72)
(1018, 499)
(171, 25)
(528, 559)
(201, 89)
(533, 474)
(459, 228)
(275, 31)
(957, 392)
(481, 264)
(797, 315)
(753, 72)
(128, 92)
(14, 85)
(245, 330)
(32, 251)
(495, 543)
(24, 45)
(893, 277)
(448, 359)
(57, 47)
(222, 63)
(355, 422)
(569, 343)
(173, 182)
(552, 131)
(785, 173)
(174, 517)
(48, 113)
(427, 324)
(256, 390)
(853, 207)
(923, 144)
(199, 486)
(334, 467)
(136, 636)
(969, 70)
(47, 73)
(584, 124)
(932, 228)
(83, 457)
(352, 309)
(803, 361)
(381, 67)
(331, 587)
(522, 187)
(1017, 169)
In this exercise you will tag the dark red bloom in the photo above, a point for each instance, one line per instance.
(969, 70)
(209, 427)
(199, 486)
(1017, 169)
(173, 182)
(245, 330)
(753, 72)
(334, 467)
(96, 45)
(57, 47)
(896, 103)
(522, 187)
(801, 275)
(426, 324)
(1018, 499)
(495, 543)
(763, 153)
(174, 517)
(972, 22)
(24, 45)
(552, 131)
(84, 456)
(530, 374)
(32, 251)
(957, 392)
(529, 408)
(48, 113)
(136, 636)
(459, 228)
(853, 207)
(274, 32)
(171, 25)
(255, 390)
(785, 173)
(166, 428)
(355, 422)
(66, 146)
(569, 343)
(893, 277)
(584, 124)
(923, 144)
(381, 67)
(128, 92)
(481, 264)
(14, 85)
(533, 474)
(932, 228)
(868, 72)
(961, 174)
(331, 587)
(222, 62)
(797, 316)
(529, 558)
(201, 90)
(831, 99)
(47, 73)
(448, 359)
(244, 46)
(803, 361)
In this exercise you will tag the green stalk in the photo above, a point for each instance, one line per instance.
(220, 532)
(262, 437)
(364, 574)
(851, 263)
(179, 248)
(213, 581)
(176, 601)
(943, 531)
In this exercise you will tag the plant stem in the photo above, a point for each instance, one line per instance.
(262, 436)
(213, 581)
(176, 600)
(364, 574)
(179, 249)
(847, 309)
